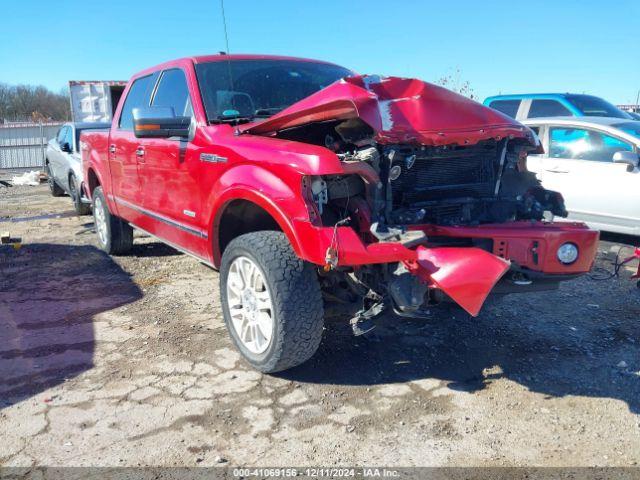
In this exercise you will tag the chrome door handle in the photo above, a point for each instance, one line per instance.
(112, 148)
(140, 152)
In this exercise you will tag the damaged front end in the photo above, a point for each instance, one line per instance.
(431, 183)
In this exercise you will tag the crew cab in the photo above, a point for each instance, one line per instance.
(317, 193)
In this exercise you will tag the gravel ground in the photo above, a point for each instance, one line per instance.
(126, 361)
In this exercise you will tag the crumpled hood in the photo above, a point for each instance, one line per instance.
(400, 110)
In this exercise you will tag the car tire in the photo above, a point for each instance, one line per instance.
(76, 197)
(115, 236)
(54, 188)
(294, 306)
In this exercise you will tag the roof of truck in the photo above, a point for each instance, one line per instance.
(223, 56)
(534, 96)
(220, 57)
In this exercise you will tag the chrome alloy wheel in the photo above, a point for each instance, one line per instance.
(100, 220)
(250, 305)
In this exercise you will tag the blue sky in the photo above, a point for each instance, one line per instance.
(499, 46)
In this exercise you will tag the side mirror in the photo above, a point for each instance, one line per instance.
(630, 158)
(159, 122)
(65, 147)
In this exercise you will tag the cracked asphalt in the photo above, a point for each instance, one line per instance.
(126, 361)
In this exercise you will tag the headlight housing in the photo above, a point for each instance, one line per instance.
(567, 253)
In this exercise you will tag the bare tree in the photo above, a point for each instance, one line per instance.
(453, 81)
(5, 100)
(36, 103)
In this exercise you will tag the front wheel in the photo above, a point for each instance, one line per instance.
(115, 236)
(76, 197)
(271, 301)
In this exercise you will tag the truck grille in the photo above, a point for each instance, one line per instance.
(444, 174)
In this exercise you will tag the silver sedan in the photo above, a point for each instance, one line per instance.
(64, 163)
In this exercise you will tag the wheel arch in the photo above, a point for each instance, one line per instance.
(92, 182)
(245, 211)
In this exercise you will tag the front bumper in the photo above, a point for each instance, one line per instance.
(530, 245)
(467, 274)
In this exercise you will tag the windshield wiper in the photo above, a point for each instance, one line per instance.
(232, 119)
(266, 112)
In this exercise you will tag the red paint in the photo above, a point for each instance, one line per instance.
(518, 238)
(400, 110)
(635, 256)
(515, 241)
(268, 172)
(467, 275)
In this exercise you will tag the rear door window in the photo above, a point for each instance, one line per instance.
(173, 92)
(508, 107)
(138, 96)
(547, 108)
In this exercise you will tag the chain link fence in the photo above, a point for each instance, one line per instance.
(23, 145)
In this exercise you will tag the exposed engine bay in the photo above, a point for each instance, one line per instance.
(389, 188)
(405, 185)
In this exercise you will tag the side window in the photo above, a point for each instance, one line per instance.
(173, 92)
(68, 136)
(138, 96)
(508, 107)
(547, 108)
(61, 135)
(582, 144)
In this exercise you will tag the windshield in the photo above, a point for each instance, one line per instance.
(260, 88)
(632, 128)
(595, 107)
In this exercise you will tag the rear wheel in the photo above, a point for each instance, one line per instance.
(76, 197)
(271, 301)
(54, 188)
(115, 236)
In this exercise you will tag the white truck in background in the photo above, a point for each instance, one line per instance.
(94, 101)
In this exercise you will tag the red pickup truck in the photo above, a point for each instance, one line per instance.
(317, 192)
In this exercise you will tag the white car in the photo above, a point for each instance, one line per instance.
(64, 163)
(593, 163)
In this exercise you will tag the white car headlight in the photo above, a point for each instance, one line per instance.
(567, 253)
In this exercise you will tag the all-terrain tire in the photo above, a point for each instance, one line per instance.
(298, 316)
(76, 197)
(55, 189)
(115, 236)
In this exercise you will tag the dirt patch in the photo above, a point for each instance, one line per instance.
(126, 361)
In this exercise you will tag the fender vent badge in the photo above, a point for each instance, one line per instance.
(212, 158)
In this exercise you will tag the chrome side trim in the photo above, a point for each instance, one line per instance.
(162, 218)
(173, 245)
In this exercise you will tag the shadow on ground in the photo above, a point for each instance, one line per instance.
(49, 296)
(555, 343)
(628, 240)
(153, 249)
